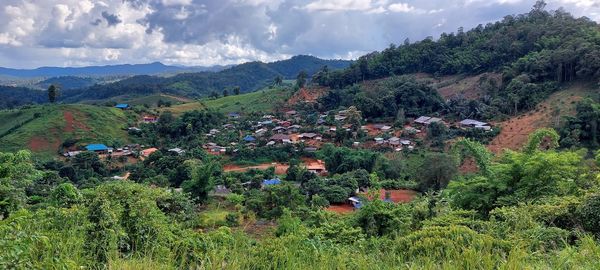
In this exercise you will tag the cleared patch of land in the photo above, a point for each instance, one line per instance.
(515, 131)
(260, 101)
(55, 124)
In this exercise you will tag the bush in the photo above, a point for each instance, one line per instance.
(589, 213)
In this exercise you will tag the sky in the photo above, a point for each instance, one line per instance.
(36, 33)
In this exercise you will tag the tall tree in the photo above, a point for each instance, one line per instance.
(52, 93)
(301, 79)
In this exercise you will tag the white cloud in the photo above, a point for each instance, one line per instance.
(176, 2)
(207, 32)
(401, 7)
(340, 5)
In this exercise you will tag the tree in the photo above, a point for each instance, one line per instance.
(202, 180)
(436, 171)
(278, 81)
(225, 93)
(301, 79)
(52, 93)
(236, 90)
(17, 173)
(65, 195)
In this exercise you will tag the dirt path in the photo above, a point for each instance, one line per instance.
(68, 116)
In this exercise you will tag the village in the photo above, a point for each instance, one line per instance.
(290, 130)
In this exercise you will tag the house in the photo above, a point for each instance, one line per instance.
(310, 149)
(279, 129)
(317, 167)
(385, 128)
(285, 123)
(71, 153)
(260, 132)
(475, 124)
(271, 143)
(221, 190)
(214, 131)
(309, 136)
(150, 119)
(147, 152)
(271, 182)
(177, 150)
(394, 141)
(405, 142)
(98, 148)
(233, 115)
(291, 113)
(426, 120)
(228, 126)
(134, 129)
(411, 130)
(339, 118)
(280, 138)
(209, 145)
(379, 140)
(122, 106)
(266, 122)
(249, 138)
(355, 202)
(218, 150)
(294, 128)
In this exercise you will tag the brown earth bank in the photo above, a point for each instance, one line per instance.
(549, 113)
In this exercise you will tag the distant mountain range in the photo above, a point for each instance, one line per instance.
(110, 70)
(192, 82)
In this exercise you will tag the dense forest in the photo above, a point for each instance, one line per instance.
(11, 97)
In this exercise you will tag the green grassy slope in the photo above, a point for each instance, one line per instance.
(259, 101)
(44, 134)
(150, 100)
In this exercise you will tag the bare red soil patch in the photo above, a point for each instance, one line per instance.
(280, 168)
(396, 196)
(310, 94)
(468, 87)
(340, 209)
(73, 121)
(39, 144)
(515, 131)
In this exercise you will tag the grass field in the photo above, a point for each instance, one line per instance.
(150, 100)
(56, 123)
(259, 101)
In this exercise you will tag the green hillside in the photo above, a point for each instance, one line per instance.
(43, 129)
(143, 100)
(259, 101)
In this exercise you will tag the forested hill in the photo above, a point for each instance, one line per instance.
(535, 53)
(249, 76)
(534, 47)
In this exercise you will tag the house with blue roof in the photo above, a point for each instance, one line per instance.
(233, 115)
(271, 182)
(249, 138)
(122, 106)
(97, 148)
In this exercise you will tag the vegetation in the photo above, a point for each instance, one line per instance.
(44, 128)
(534, 52)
